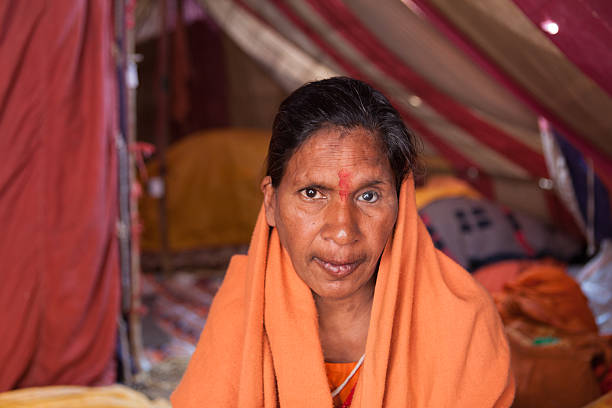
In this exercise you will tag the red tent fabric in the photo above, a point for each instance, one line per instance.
(471, 78)
(59, 291)
(584, 33)
(538, 69)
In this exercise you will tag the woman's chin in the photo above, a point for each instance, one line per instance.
(337, 290)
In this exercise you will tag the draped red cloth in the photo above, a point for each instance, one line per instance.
(585, 33)
(59, 273)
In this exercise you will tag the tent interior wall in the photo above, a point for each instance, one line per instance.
(137, 138)
(223, 85)
(472, 125)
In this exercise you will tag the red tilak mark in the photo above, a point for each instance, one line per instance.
(344, 183)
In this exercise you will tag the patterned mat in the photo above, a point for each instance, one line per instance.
(176, 310)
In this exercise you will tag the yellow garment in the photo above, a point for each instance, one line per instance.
(434, 340)
(336, 374)
(71, 396)
(212, 190)
(603, 402)
(439, 187)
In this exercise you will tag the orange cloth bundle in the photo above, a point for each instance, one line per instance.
(435, 339)
(545, 293)
(552, 333)
(494, 276)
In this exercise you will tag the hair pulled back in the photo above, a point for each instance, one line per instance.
(339, 102)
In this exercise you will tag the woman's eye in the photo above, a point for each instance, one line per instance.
(369, 196)
(311, 193)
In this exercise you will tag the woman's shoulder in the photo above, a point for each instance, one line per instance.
(461, 283)
(231, 292)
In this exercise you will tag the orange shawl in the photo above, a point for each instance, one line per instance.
(435, 339)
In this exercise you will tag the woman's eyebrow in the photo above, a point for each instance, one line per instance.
(370, 183)
(316, 186)
(324, 187)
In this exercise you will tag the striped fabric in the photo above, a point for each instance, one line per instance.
(468, 79)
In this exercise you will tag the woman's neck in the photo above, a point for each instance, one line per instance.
(343, 324)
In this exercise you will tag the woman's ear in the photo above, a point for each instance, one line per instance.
(269, 193)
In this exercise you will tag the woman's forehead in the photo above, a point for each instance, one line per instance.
(331, 152)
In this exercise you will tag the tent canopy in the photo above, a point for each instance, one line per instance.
(472, 78)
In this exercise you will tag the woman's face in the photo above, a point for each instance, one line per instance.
(335, 209)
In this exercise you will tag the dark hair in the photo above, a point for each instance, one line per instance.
(346, 103)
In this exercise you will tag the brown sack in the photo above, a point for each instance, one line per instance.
(556, 375)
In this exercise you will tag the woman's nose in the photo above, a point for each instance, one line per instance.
(341, 223)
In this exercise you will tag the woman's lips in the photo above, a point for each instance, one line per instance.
(338, 269)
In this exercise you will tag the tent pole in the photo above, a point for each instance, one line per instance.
(162, 130)
(124, 189)
(134, 323)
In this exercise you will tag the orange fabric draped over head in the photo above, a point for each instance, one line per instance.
(435, 339)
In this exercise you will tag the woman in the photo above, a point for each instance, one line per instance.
(342, 299)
